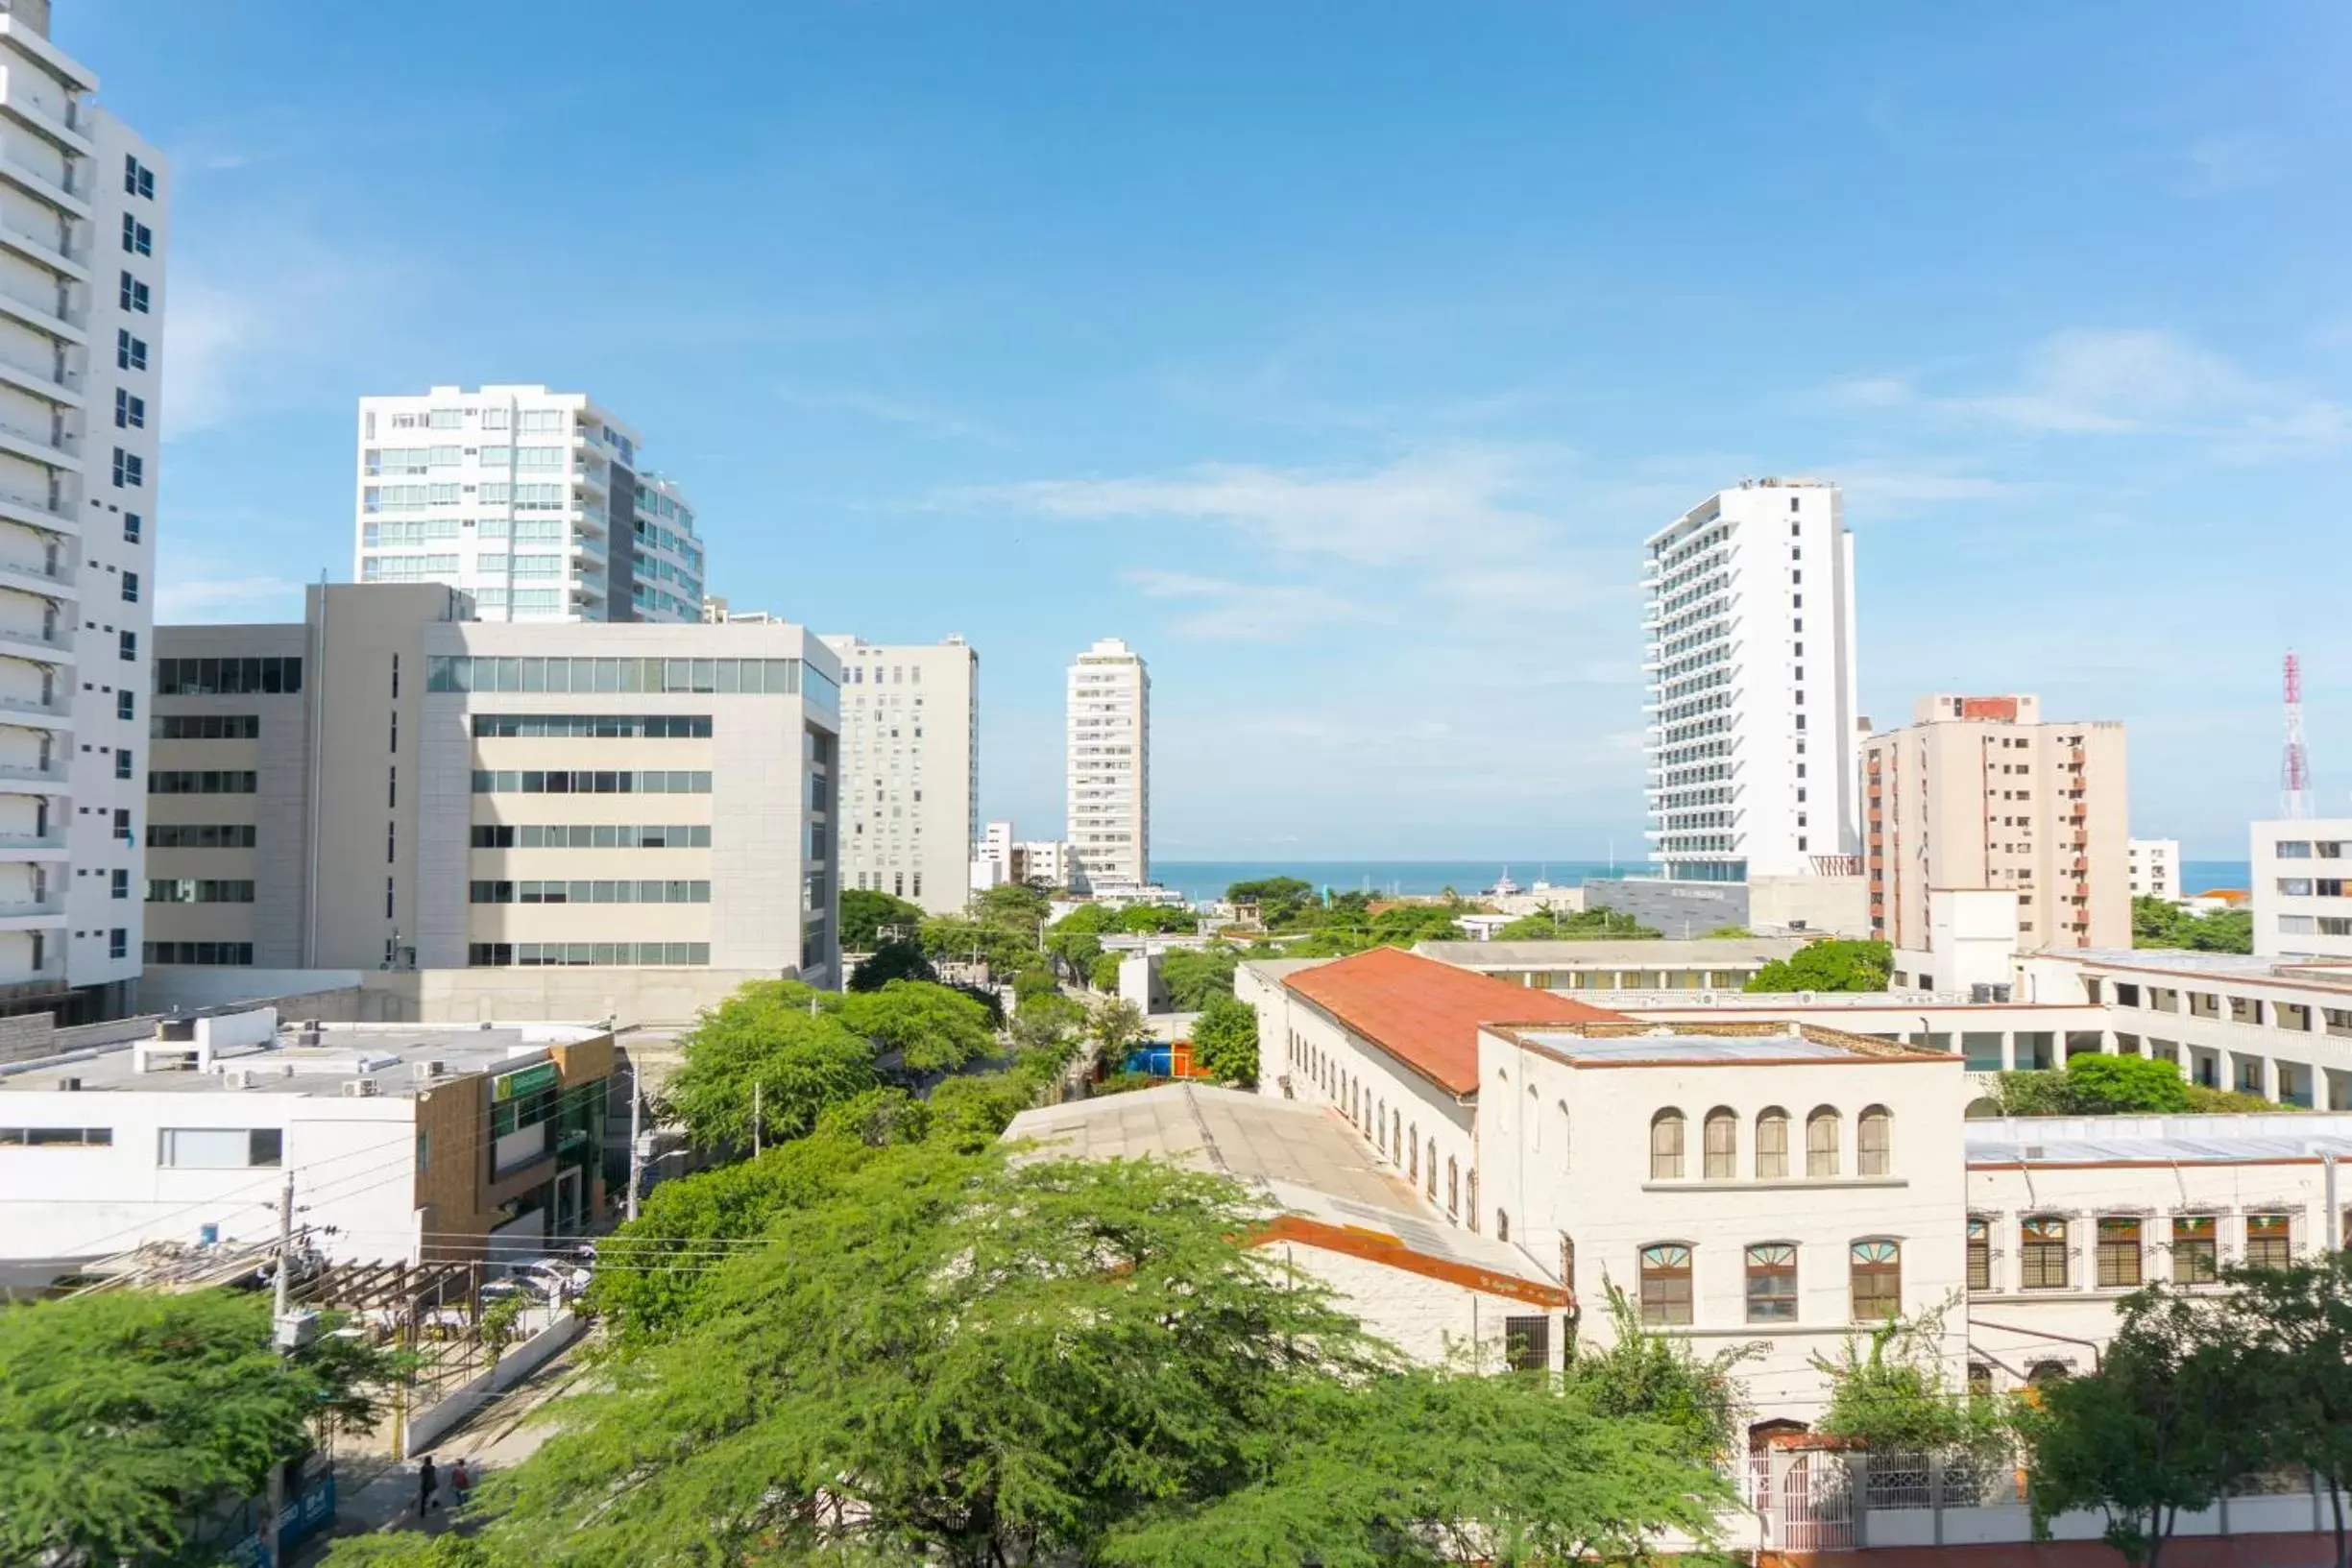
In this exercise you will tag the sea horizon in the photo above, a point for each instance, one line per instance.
(1208, 879)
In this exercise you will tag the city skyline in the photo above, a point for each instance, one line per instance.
(1325, 391)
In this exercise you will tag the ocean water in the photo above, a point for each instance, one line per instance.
(1209, 878)
(2200, 875)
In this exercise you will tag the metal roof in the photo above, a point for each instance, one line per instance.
(1698, 952)
(2190, 1140)
(1684, 1048)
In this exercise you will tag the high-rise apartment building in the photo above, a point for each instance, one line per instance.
(2302, 891)
(1749, 657)
(909, 769)
(2155, 869)
(537, 504)
(391, 784)
(1980, 792)
(84, 234)
(1109, 769)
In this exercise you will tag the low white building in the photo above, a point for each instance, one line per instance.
(2302, 908)
(403, 1143)
(2155, 868)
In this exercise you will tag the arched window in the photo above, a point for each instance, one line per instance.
(1397, 1136)
(1502, 1225)
(1821, 1142)
(1567, 1263)
(1473, 1213)
(1665, 1283)
(1772, 1282)
(1980, 1379)
(1562, 1109)
(1534, 1120)
(1874, 1142)
(1722, 1144)
(1453, 1187)
(1413, 1154)
(1380, 1127)
(1876, 1277)
(1433, 1169)
(1666, 1145)
(2041, 1374)
(1771, 1143)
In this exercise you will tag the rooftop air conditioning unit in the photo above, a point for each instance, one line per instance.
(435, 1069)
(69, 1085)
(362, 1089)
(306, 1037)
(237, 1077)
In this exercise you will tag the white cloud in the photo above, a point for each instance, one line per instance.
(1231, 610)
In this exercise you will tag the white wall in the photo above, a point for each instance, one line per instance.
(1431, 1320)
(2307, 856)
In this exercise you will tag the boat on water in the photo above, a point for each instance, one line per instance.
(1504, 888)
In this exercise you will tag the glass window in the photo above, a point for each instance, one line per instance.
(219, 1149)
(2119, 1253)
(2267, 1241)
(1722, 1154)
(1979, 1255)
(1666, 1145)
(1666, 1284)
(1820, 1142)
(1772, 1282)
(1875, 1142)
(1772, 1143)
(2042, 1245)
(2195, 1255)
(1874, 1274)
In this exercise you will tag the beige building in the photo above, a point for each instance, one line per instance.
(1109, 830)
(1980, 792)
(909, 769)
(391, 786)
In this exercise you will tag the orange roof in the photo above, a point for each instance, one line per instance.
(1426, 1013)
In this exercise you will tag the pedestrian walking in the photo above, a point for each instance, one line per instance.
(428, 1487)
(461, 1482)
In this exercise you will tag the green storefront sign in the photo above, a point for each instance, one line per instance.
(523, 1081)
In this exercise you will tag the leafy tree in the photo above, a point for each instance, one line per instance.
(1196, 976)
(954, 1361)
(877, 1119)
(2093, 1085)
(971, 1111)
(1225, 1041)
(865, 911)
(1734, 932)
(1104, 975)
(1832, 964)
(1574, 926)
(1048, 1021)
(765, 1036)
(2161, 1426)
(1157, 920)
(1118, 1028)
(1889, 1393)
(1013, 907)
(1401, 925)
(128, 1414)
(1639, 1373)
(891, 964)
(2204, 1102)
(932, 1028)
(2296, 1325)
(1281, 900)
(2160, 923)
(1032, 984)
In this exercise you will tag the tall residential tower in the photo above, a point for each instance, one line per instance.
(1109, 769)
(536, 503)
(909, 769)
(1749, 658)
(83, 240)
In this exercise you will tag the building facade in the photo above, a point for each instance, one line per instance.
(83, 246)
(391, 786)
(537, 504)
(2301, 906)
(2155, 869)
(1109, 769)
(1749, 658)
(1980, 792)
(909, 769)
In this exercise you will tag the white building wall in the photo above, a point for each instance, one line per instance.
(911, 769)
(2302, 898)
(2155, 868)
(1432, 1320)
(1109, 768)
(1750, 659)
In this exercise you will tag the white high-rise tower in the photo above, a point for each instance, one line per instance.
(1109, 769)
(1750, 691)
(83, 240)
(533, 502)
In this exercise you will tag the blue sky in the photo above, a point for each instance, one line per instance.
(1339, 356)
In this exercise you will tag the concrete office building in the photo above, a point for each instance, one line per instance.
(998, 858)
(2155, 868)
(909, 769)
(1749, 656)
(537, 504)
(389, 786)
(1979, 792)
(2301, 908)
(83, 235)
(1109, 764)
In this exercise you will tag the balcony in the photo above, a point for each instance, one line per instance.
(68, 131)
(43, 914)
(62, 390)
(27, 778)
(44, 186)
(24, 849)
(43, 316)
(35, 514)
(31, 645)
(51, 250)
(37, 447)
(24, 713)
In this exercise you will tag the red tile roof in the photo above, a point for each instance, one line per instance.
(1426, 1013)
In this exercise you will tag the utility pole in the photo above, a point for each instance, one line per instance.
(277, 1499)
(636, 1134)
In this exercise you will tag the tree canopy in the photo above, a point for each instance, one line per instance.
(1225, 1041)
(2160, 923)
(2093, 1085)
(865, 911)
(128, 1414)
(1832, 964)
(1891, 1391)
(1573, 925)
(890, 963)
(1194, 976)
(769, 1049)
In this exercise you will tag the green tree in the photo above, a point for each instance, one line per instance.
(2296, 1325)
(1195, 976)
(865, 911)
(765, 1037)
(2160, 923)
(1157, 920)
(1225, 1041)
(1032, 984)
(970, 1112)
(877, 1119)
(1281, 900)
(128, 1414)
(1659, 1377)
(1890, 1393)
(1014, 907)
(1574, 926)
(2159, 1428)
(1104, 975)
(933, 1028)
(892, 963)
(1832, 964)
(2095, 1084)
(1118, 1028)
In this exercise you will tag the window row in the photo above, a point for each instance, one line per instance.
(1397, 1140)
(203, 782)
(584, 835)
(233, 954)
(227, 677)
(534, 954)
(600, 890)
(56, 1137)
(1874, 1281)
(205, 727)
(198, 890)
(590, 782)
(593, 726)
(1873, 1144)
(770, 677)
(2119, 1248)
(199, 835)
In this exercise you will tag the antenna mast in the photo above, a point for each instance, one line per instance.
(2294, 765)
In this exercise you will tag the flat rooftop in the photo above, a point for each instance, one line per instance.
(2185, 1139)
(1632, 1044)
(1698, 952)
(389, 1054)
(2333, 974)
